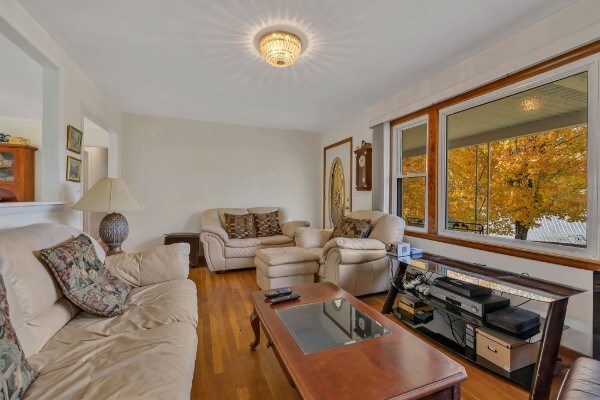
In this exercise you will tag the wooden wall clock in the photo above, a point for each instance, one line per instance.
(364, 166)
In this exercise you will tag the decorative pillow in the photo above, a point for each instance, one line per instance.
(16, 372)
(351, 228)
(83, 279)
(239, 226)
(267, 224)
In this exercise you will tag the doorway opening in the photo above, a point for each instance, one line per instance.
(95, 166)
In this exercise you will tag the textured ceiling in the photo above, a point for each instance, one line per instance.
(196, 59)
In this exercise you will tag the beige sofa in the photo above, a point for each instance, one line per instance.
(224, 253)
(148, 352)
(359, 266)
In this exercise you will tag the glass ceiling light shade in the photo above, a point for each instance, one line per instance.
(280, 49)
(531, 103)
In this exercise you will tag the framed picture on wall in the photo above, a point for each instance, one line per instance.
(73, 169)
(74, 139)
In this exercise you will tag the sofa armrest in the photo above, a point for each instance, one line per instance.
(289, 228)
(155, 265)
(310, 238)
(217, 230)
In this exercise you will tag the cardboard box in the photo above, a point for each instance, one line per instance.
(506, 352)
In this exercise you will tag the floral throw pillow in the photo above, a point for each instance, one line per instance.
(239, 226)
(83, 279)
(351, 228)
(267, 224)
(16, 372)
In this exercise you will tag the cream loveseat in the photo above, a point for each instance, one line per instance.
(148, 352)
(359, 266)
(225, 253)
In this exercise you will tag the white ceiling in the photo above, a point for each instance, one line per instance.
(196, 59)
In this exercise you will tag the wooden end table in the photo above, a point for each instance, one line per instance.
(319, 343)
(193, 239)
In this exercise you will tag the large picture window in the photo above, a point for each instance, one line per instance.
(410, 192)
(516, 164)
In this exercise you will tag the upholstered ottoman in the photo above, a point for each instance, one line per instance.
(286, 266)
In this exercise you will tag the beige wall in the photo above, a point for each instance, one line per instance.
(95, 166)
(572, 27)
(75, 94)
(178, 168)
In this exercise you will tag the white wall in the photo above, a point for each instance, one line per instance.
(95, 166)
(178, 168)
(572, 27)
(75, 93)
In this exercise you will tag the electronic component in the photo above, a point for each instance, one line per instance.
(465, 289)
(278, 293)
(480, 305)
(283, 299)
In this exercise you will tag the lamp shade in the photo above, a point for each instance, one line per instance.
(109, 195)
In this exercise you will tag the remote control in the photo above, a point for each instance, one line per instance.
(282, 299)
(278, 293)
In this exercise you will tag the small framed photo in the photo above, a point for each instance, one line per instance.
(73, 169)
(74, 139)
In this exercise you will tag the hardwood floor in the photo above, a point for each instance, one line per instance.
(227, 369)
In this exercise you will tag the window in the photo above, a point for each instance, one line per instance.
(515, 165)
(410, 190)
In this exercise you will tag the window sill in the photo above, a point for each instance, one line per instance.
(30, 207)
(569, 261)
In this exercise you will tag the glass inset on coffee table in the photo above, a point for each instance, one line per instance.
(329, 324)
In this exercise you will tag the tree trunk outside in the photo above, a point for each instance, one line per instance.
(520, 231)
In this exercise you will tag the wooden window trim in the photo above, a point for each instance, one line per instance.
(432, 163)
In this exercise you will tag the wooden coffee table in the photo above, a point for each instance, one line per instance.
(394, 365)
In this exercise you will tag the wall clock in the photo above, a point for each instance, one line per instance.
(364, 163)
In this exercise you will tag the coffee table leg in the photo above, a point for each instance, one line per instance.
(255, 322)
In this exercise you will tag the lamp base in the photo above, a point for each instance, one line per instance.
(114, 229)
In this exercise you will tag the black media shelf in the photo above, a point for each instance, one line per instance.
(449, 323)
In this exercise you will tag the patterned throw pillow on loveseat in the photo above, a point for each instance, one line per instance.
(16, 372)
(267, 224)
(351, 228)
(239, 226)
(83, 279)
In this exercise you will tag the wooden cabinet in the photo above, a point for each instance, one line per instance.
(17, 172)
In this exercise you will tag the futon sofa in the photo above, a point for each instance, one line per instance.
(359, 266)
(147, 352)
(225, 253)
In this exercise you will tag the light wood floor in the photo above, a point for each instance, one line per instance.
(226, 369)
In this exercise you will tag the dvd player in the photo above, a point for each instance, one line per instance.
(465, 289)
(480, 305)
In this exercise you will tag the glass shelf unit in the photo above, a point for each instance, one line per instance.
(449, 323)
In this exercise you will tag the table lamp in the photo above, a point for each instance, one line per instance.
(112, 196)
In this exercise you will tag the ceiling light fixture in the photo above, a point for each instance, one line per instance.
(280, 49)
(531, 103)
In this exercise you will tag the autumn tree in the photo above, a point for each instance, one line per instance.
(530, 178)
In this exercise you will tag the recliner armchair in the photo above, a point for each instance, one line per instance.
(359, 266)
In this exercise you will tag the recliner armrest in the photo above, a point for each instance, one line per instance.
(217, 230)
(347, 256)
(354, 244)
(289, 228)
(155, 265)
